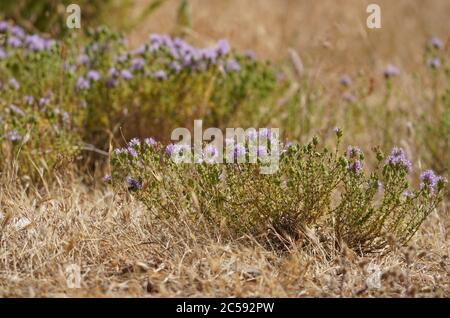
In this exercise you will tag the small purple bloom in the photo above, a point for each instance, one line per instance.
(436, 43)
(132, 152)
(239, 151)
(391, 71)
(134, 142)
(2, 54)
(160, 75)
(232, 66)
(93, 75)
(398, 158)
(251, 55)
(137, 64)
(13, 83)
(353, 151)
(14, 42)
(43, 101)
(28, 100)
(429, 179)
(222, 47)
(355, 166)
(82, 83)
(133, 184)
(126, 74)
(4, 26)
(16, 110)
(107, 178)
(150, 142)
(434, 63)
(349, 97)
(13, 136)
(345, 80)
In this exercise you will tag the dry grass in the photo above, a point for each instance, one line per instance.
(124, 251)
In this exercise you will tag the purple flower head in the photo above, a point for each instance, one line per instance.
(261, 151)
(83, 59)
(391, 71)
(429, 179)
(43, 101)
(222, 47)
(434, 63)
(132, 152)
(349, 97)
(137, 64)
(93, 75)
(239, 151)
(119, 151)
(16, 110)
(251, 55)
(82, 83)
(126, 74)
(170, 149)
(3, 54)
(13, 136)
(160, 75)
(232, 66)
(174, 65)
(35, 43)
(407, 194)
(353, 152)
(150, 142)
(18, 31)
(264, 133)
(436, 43)
(107, 178)
(4, 26)
(15, 42)
(28, 100)
(345, 80)
(398, 158)
(133, 184)
(14, 84)
(210, 153)
(355, 166)
(134, 143)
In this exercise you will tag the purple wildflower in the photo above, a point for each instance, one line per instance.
(251, 55)
(210, 153)
(137, 64)
(355, 166)
(28, 100)
(391, 71)
(261, 151)
(222, 47)
(16, 110)
(132, 152)
(345, 80)
(349, 97)
(93, 75)
(15, 42)
(126, 74)
(160, 75)
(150, 142)
(4, 26)
(43, 101)
(13, 83)
(232, 66)
(133, 184)
(82, 83)
(429, 179)
(398, 158)
(2, 54)
(239, 151)
(83, 59)
(35, 43)
(174, 65)
(353, 151)
(107, 178)
(18, 31)
(434, 63)
(407, 194)
(134, 143)
(170, 149)
(436, 43)
(13, 136)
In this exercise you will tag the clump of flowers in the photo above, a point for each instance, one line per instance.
(299, 195)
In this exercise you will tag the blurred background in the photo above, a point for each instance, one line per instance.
(332, 33)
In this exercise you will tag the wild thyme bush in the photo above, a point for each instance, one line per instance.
(167, 83)
(36, 125)
(313, 186)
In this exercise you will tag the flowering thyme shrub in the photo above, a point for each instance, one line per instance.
(166, 83)
(36, 126)
(313, 186)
